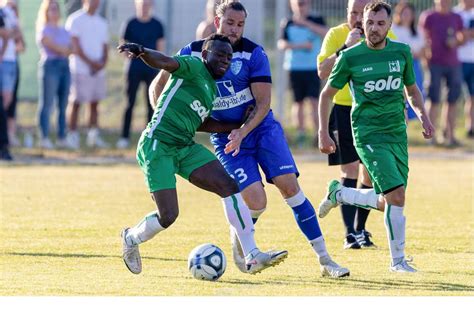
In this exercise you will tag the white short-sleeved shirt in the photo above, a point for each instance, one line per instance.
(92, 33)
(466, 51)
(404, 35)
(11, 21)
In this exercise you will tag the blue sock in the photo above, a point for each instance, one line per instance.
(305, 216)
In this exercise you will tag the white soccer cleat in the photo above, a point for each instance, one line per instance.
(403, 267)
(131, 255)
(331, 269)
(258, 261)
(330, 199)
(237, 252)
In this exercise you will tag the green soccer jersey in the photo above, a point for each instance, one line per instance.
(376, 79)
(185, 103)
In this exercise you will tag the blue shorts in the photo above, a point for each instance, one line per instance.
(265, 146)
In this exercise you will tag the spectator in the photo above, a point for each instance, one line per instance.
(443, 32)
(89, 34)
(54, 77)
(207, 27)
(10, 69)
(146, 30)
(404, 28)
(466, 55)
(301, 39)
(4, 150)
(20, 47)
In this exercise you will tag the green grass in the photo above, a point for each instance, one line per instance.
(60, 230)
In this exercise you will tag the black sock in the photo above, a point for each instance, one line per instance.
(348, 212)
(362, 214)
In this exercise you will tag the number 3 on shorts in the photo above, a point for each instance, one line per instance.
(240, 173)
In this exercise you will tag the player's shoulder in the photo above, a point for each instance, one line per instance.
(247, 46)
(355, 50)
(340, 29)
(395, 45)
(189, 60)
(247, 49)
(194, 48)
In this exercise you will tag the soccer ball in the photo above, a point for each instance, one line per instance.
(207, 262)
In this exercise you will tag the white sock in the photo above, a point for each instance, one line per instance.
(319, 246)
(145, 230)
(364, 198)
(296, 200)
(238, 216)
(395, 226)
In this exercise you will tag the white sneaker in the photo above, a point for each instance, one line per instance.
(330, 199)
(62, 143)
(131, 254)
(403, 267)
(237, 252)
(73, 140)
(258, 261)
(331, 269)
(123, 143)
(94, 139)
(45, 143)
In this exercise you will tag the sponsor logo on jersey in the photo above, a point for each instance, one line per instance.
(202, 112)
(236, 66)
(383, 85)
(366, 69)
(228, 98)
(394, 66)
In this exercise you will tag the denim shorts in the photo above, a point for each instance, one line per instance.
(453, 77)
(9, 73)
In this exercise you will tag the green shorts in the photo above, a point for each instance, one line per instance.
(160, 162)
(386, 163)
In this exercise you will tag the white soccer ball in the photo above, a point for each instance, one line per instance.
(207, 262)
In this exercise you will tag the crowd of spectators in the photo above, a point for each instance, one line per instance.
(74, 53)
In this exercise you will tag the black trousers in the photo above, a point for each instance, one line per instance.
(133, 80)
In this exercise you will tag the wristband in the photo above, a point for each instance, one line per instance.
(341, 49)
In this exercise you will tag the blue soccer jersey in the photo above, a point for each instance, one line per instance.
(266, 144)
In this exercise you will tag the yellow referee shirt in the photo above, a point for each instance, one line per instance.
(333, 41)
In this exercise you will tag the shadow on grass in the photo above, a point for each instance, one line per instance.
(73, 255)
(403, 282)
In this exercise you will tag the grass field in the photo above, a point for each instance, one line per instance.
(60, 230)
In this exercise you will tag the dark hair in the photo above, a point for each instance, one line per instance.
(377, 6)
(230, 4)
(399, 8)
(214, 37)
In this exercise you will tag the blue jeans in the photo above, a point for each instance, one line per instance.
(54, 82)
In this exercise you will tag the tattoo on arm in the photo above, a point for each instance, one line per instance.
(250, 113)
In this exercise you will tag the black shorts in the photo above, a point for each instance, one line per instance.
(304, 84)
(340, 131)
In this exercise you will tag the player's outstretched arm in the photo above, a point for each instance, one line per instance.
(415, 98)
(150, 57)
(326, 144)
